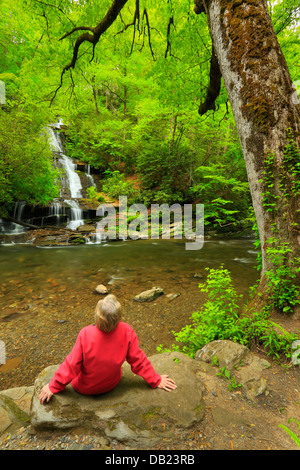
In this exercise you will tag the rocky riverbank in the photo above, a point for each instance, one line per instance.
(48, 295)
(208, 411)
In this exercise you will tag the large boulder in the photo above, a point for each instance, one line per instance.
(227, 353)
(239, 362)
(132, 413)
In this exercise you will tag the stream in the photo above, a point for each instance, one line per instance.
(124, 260)
(47, 294)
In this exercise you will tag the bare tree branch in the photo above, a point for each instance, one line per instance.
(77, 28)
(145, 14)
(93, 38)
(171, 22)
(54, 6)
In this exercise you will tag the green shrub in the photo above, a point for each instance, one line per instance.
(283, 291)
(220, 318)
(115, 186)
(93, 194)
(26, 162)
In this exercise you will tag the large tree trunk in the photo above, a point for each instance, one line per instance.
(267, 116)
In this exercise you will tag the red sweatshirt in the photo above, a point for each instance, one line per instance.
(94, 364)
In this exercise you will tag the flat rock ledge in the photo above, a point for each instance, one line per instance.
(132, 413)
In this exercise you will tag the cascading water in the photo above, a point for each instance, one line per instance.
(19, 209)
(95, 239)
(63, 209)
(88, 175)
(12, 228)
(73, 181)
(76, 214)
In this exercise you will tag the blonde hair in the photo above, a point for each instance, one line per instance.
(108, 313)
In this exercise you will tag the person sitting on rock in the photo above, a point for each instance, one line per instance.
(94, 365)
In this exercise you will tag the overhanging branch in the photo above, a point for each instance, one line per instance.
(92, 35)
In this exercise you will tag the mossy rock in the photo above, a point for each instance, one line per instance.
(11, 416)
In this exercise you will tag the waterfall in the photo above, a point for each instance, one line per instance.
(73, 178)
(56, 210)
(88, 175)
(54, 141)
(76, 214)
(71, 189)
(73, 181)
(12, 228)
(19, 209)
(95, 239)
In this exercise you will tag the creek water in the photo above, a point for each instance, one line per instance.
(161, 260)
(47, 294)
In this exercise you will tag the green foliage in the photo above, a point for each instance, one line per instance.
(293, 435)
(283, 289)
(133, 108)
(221, 318)
(270, 199)
(164, 171)
(93, 194)
(291, 166)
(26, 170)
(224, 190)
(289, 187)
(257, 246)
(225, 373)
(218, 317)
(115, 186)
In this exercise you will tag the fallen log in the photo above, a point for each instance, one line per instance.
(37, 227)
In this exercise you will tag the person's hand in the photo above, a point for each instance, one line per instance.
(45, 394)
(167, 383)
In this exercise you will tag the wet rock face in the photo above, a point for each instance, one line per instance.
(59, 237)
(133, 412)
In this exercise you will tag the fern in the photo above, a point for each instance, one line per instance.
(294, 436)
